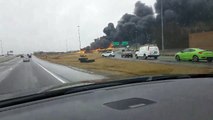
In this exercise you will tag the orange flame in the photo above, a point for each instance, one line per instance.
(110, 46)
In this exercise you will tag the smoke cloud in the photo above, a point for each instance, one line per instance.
(180, 18)
(133, 27)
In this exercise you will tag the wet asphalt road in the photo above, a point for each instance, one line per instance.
(18, 76)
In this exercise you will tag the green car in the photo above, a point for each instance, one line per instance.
(194, 54)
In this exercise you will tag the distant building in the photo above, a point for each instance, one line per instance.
(202, 40)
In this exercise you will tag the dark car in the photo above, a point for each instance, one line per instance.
(22, 56)
(26, 59)
(127, 54)
(29, 55)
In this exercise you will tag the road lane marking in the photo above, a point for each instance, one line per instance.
(59, 79)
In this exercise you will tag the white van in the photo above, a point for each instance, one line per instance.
(148, 51)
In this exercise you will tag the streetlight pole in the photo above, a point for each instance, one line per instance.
(162, 25)
(1, 47)
(79, 37)
(136, 39)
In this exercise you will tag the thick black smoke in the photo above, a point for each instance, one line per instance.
(142, 10)
(101, 43)
(180, 18)
(186, 12)
(131, 27)
(110, 31)
(135, 28)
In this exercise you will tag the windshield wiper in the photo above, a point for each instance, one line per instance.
(62, 90)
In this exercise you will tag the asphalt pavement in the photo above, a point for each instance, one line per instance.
(18, 76)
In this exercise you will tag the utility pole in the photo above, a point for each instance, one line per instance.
(162, 25)
(1, 47)
(79, 37)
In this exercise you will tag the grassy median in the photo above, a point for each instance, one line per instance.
(122, 68)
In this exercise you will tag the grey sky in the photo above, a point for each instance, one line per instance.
(34, 25)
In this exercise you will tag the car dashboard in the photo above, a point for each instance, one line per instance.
(181, 99)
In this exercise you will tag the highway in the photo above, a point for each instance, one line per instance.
(17, 76)
(167, 60)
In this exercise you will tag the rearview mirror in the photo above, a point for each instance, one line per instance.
(181, 51)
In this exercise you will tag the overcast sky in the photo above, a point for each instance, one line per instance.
(46, 25)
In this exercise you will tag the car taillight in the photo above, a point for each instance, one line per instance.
(200, 52)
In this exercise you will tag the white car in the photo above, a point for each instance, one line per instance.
(147, 51)
(108, 54)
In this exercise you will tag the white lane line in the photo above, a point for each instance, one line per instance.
(59, 79)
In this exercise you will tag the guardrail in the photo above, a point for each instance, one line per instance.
(170, 52)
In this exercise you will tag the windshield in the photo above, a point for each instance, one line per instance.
(50, 43)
